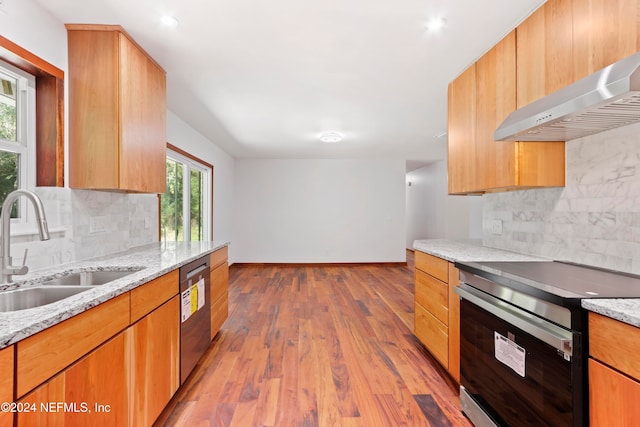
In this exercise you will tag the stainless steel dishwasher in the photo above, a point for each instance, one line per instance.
(195, 314)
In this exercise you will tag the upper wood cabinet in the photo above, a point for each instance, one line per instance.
(117, 117)
(545, 51)
(461, 132)
(604, 31)
(479, 100)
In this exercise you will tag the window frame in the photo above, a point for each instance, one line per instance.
(49, 111)
(190, 160)
(25, 142)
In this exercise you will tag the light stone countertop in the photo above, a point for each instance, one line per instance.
(626, 310)
(155, 260)
(623, 309)
(469, 251)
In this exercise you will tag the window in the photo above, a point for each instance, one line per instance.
(186, 207)
(17, 131)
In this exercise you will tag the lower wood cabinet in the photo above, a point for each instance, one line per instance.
(91, 392)
(614, 372)
(6, 383)
(219, 295)
(437, 310)
(154, 346)
(100, 368)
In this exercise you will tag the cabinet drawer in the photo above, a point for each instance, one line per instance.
(437, 267)
(46, 353)
(613, 397)
(615, 343)
(219, 256)
(6, 379)
(219, 282)
(433, 334)
(433, 295)
(146, 298)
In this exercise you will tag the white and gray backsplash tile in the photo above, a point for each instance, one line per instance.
(594, 220)
(86, 224)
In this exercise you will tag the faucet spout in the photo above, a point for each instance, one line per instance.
(7, 270)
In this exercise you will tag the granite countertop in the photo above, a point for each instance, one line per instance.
(623, 309)
(626, 310)
(146, 263)
(469, 251)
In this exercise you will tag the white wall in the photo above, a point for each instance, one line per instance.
(185, 137)
(433, 214)
(319, 211)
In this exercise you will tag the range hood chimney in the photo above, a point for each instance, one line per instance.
(604, 100)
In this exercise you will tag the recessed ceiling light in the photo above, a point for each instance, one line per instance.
(331, 137)
(436, 23)
(170, 21)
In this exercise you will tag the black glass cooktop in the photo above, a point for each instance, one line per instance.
(562, 279)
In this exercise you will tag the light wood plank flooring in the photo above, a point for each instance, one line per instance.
(317, 346)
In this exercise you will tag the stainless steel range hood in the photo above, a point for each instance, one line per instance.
(605, 100)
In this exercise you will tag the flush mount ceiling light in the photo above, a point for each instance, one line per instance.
(436, 24)
(169, 21)
(331, 137)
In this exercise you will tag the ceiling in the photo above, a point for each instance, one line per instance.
(263, 79)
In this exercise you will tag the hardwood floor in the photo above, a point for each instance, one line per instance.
(317, 346)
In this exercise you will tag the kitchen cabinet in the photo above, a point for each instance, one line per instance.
(437, 310)
(614, 372)
(117, 112)
(461, 124)
(154, 346)
(153, 342)
(604, 31)
(479, 100)
(544, 51)
(43, 355)
(134, 375)
(6, 383)
(94, 390)
(219, 289)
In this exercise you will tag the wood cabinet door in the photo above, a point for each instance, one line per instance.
(6, 383)
(154, 345)
(544, 51)
(495, 100)
(93, 113)
(604, 31)
(219, 297)
(91, 392)
(613, 397)
(142, 103)
(461, 125)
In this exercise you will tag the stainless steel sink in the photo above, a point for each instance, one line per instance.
(21, 299)
(87, 278)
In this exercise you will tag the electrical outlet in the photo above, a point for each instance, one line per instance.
(97, 224)
(495, 226)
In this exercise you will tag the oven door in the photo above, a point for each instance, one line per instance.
(521, 375)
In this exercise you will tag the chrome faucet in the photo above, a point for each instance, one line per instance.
(6, 269)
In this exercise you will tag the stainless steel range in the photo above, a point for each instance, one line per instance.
(523, 340)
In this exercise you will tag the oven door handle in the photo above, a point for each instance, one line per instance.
(545, 331)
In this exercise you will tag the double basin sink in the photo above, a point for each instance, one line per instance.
(56, 289)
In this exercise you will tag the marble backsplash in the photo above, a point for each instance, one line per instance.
(594, 220)
(86, 224)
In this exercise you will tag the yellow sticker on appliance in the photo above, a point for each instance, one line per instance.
(194, 298)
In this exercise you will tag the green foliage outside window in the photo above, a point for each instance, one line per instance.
(8, 160)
